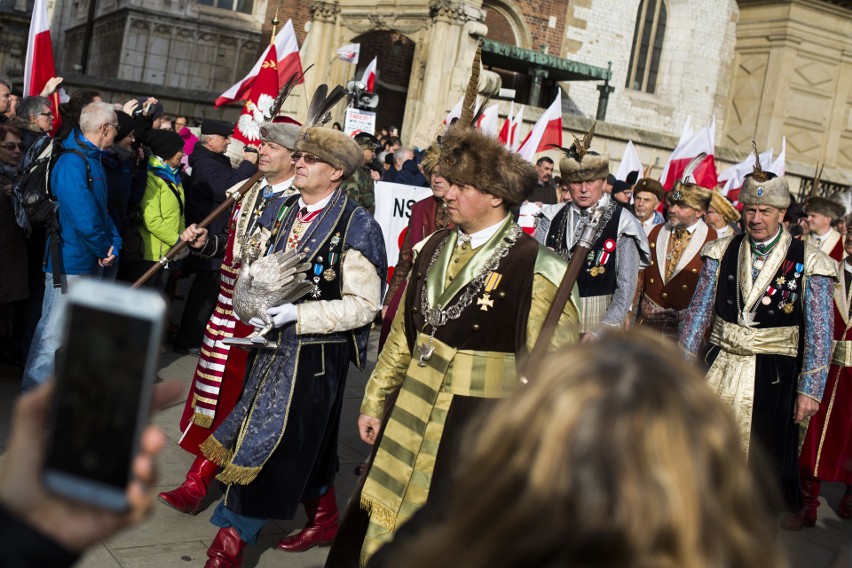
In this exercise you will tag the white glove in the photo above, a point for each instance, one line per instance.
(281, 316)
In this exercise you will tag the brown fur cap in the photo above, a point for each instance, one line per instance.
(430, 159)
(825, 207)
(689, 195)
(281, 133)
(651, 186)
(591, 166)
(469, 157)
(724, 207)
(331, 146)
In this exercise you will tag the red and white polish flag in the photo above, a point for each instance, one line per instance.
(506, 128)
(515, 130)
(38, 65)
(630, 162)
(547, 131)
(287, 50)
(349, 53)
(369, 76)
(262, 96)
(705, 173)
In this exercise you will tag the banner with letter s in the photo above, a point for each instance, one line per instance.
(393, 210)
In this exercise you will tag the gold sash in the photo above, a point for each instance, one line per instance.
(732, 375)
(841, 354)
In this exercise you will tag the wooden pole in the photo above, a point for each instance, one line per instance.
(224, 206)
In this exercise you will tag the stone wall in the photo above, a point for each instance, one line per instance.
(695, 66)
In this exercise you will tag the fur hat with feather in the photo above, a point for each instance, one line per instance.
(764, 188)
(331, 146)
(579, 163)
(469, 157)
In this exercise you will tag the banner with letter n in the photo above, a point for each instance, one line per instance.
(357, 121)
(393, 210)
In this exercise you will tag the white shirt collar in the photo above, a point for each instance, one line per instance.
(316, 206)
(822, 237)
(723, 231)
(479, 238)
(767, 241)
(279, 187)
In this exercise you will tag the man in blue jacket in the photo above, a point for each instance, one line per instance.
(212, 174)
(88, 241)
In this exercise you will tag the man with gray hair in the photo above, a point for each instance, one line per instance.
(212, 175)
(86, 240)
(402, 155)
(5, 96)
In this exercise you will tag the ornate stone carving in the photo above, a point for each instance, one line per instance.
(454, 12)
(141, 25)
(363, 23)
(324, 11)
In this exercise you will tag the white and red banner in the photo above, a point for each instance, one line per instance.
(779, 166)
(369, 76)
(488, 121)
(349, 53)
(734, 176)
(457, 110)
(547, 131)
(506, 129)
(393, 210)
(630, 162)
(356, 121)
(705, 173)
(263, 92)
(515, 130)
(38, 64)
(288, 62)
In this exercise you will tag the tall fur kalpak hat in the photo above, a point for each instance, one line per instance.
(765, 188)
(825, 207)
(689, 195)
(331, 146)
(581, 164)
(469, 157)
(724, 207)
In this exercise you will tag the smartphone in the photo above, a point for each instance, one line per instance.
(104, 376)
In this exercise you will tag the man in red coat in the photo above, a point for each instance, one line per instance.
(218, 379)
(827, 451)
(821, 213)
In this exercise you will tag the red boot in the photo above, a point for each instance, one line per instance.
(844, 509)
(807, 516)
(321, 528)
(226, 550)
(187, 498)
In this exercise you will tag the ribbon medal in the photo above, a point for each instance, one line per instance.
(491, 284)
(315, 293)
(329, 273)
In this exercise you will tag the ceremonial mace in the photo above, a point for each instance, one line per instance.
(530, 365)
(224, 206)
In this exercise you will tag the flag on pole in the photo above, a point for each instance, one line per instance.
(38, 64)
(515, 130)
(735, 175)
(503, 137)
(349, 53)
(630, 162)
(705, 173)
(778, 167)
(456, 110)
(262, 96)
(547, 131)
(487, 123)
(369, 76)
(288, 63)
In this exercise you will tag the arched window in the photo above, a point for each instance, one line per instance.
(647, 46)
(245, 6)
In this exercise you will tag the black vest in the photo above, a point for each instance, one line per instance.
(597, 277)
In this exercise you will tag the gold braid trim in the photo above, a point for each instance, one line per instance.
(238, 474)
(379, 513)
(216, 452)
(203, 420)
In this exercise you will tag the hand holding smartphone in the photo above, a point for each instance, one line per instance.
(104, 376)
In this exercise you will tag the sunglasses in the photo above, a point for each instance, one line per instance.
(309, 159)
(11, 146)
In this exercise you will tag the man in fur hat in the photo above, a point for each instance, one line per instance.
(722, 216)
(278, 446)
(668, 283)
(477, 296)
(218, 378)
(820, 214)
(607, 282)
(766, 300)
(647, 196)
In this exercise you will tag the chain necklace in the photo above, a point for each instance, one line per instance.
(438, 316)
(561, 245)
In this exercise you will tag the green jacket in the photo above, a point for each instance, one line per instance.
(162, 211)
(359, 186)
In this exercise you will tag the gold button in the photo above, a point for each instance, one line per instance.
(653, 245)
(415, 310)
(455, 260)
(450, 278)
(475, 327)
(420, 275)
(684, 287)
(650, 280)
(664, 295)
(694, 270)
(501, 294)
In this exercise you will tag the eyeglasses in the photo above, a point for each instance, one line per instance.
(12, 145)
(50, 114)
(309, 159)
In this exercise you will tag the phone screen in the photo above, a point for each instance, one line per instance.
(100, 378)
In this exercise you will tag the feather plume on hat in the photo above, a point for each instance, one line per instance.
(331, 146)
(764, 188)
(579, 163)
(469, 157)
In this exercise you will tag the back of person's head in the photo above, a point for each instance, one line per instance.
(94, 115)
(402, 154)
(615, 454)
